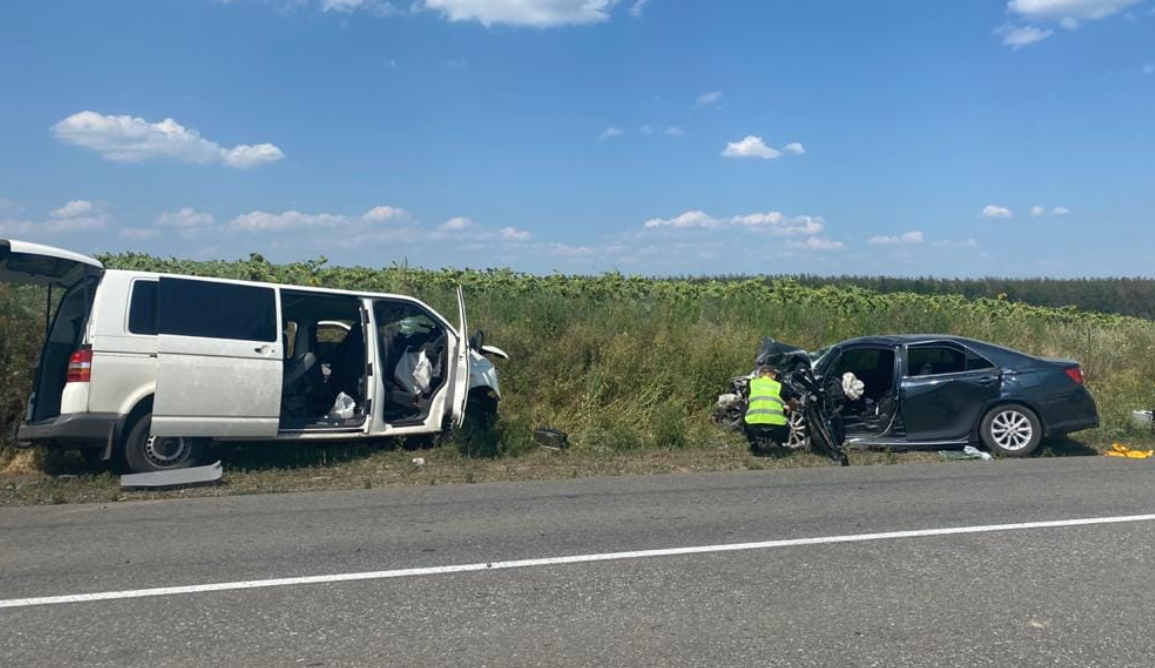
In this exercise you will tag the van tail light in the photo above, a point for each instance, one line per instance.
(80, 366)
(1075, 374)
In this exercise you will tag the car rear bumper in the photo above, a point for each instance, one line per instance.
(77, 430)
(1070, 413)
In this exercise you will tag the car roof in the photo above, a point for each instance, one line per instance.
(993, 350)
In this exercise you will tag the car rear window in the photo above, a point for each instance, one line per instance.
(142, 315)
(217, 310)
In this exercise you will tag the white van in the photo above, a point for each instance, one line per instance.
(147, 368)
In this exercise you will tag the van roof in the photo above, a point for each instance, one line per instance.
(290, 286)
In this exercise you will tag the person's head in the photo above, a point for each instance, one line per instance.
(767, 371)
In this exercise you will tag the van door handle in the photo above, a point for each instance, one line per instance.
(988, 380)
(264, 350)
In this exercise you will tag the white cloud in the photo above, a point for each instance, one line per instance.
(1067, 12)
(688, 219)
(185, 218)
(1017, 37)
(383, 214)
(535, 13)
(795, 148)
(908, 238)
(609, 133)
(646, 130)
(514, 234)
(75, 216)
(773, 222)
(565, 250)
(674, 131)
(638, 6)
(456, 224)
(133, 139)
(709, 99)
(1060, 211)
(818, 244)
(262, 221)
(1147, 69)
(751, 147)
(77, 207)
(1056, 211)
(993, 211)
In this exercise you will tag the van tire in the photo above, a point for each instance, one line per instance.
(144, 454)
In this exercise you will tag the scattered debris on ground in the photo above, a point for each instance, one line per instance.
(1120, 450)
(190, 477)
(969, 452)
(550, 438)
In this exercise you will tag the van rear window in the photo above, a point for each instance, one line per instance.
(217, 310)
(142, 316)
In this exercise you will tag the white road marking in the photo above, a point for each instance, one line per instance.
(561, 561)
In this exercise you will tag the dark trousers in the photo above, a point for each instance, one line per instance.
(766, 434)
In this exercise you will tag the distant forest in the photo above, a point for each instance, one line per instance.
(1125, 296)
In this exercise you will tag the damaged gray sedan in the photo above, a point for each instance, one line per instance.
(938, 391)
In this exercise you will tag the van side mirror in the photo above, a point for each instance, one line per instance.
(477, 340)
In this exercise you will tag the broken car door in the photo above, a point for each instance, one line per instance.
(945, 389)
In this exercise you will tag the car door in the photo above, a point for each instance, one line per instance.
(220, 360)
(461, 363)
(945, 388)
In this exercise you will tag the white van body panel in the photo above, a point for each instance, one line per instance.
(123, 363)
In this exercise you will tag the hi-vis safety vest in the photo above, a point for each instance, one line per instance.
(766, 405)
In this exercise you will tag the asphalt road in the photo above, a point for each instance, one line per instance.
(1065, 596)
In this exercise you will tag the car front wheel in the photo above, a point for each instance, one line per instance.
(1011, 430)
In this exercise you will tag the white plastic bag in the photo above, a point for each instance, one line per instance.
(852, 387)
(343, 407)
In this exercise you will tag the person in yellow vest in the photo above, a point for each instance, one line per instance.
(768, 409)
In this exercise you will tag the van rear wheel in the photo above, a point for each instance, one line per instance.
(145, 453)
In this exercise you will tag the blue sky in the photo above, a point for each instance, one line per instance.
(914, 137)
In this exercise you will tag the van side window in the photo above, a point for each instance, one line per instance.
(142, 308)
(217, 310)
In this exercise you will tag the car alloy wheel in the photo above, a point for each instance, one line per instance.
(1012, 430)
(799, 435)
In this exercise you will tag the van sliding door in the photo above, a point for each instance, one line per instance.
(220, 360)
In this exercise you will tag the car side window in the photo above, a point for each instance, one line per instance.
(217, 310)
(142, 308)
(934, 360)
(976, 362)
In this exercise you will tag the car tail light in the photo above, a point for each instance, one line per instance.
(80, 366)
(1076, 374)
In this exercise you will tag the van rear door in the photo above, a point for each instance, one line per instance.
(220, 359)
(25, 263)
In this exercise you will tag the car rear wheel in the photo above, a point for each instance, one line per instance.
(145, 453)
(1011, 430)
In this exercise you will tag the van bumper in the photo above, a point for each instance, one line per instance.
(80, 430)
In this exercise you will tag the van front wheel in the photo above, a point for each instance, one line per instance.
(145, 453)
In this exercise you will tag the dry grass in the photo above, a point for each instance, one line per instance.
(362, 467)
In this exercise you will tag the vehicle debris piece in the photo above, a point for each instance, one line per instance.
(551, 439)
(1120, 450)
(190, 477)
(1143, 419)
(969, 452)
